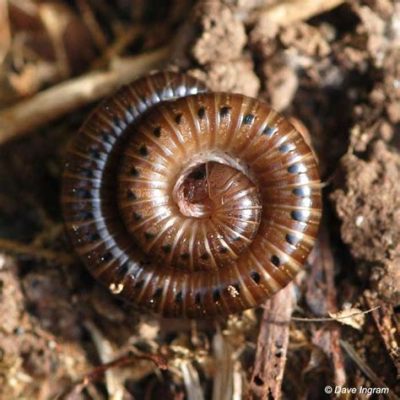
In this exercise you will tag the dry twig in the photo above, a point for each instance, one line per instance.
(65, 97)
(11, 246)
(272, 344)
(191, 380)
(225, 374)
(339, 318)
(114, 380)
(98, 372)
(322, 290)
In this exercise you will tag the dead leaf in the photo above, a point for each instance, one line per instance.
(353, 317)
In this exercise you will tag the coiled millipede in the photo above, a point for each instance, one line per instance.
(189, 203)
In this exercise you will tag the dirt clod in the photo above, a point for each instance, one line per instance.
(369, 204)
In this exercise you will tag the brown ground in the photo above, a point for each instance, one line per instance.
(333, 65)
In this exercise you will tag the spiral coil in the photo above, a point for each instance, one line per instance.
(189, 203)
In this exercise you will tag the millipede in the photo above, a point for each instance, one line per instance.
(190, 203)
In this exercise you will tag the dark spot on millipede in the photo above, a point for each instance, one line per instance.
(130, 195)
(248, 119)
(205, 256)
(157, 294)
(88, 173)
(143, 150)
(224, 111)
(216, 295)
(223, 250)
(137, 216)
(185, 256)
(134, 172)
(297, 169)
(83, 193)
(139, 284)
(123, 268)
(201, 112)
(178, 297)
(197, 298)
(117, 121)
(237, 287)
(284, 148)
(166, 248)
(106, 257)
(149, 235)
(299, 215)
(157, 131)
(300, 192)
(293, 169)
(256, 277)
(276, 260)
(236, 239)
(269, 131)
(178, 118)
(292, 239)
(94, 153)
(131, 110)
(94, 237)
(106, 137)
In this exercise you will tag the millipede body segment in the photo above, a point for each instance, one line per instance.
(189, 203)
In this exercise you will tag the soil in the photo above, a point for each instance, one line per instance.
(336, 72)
